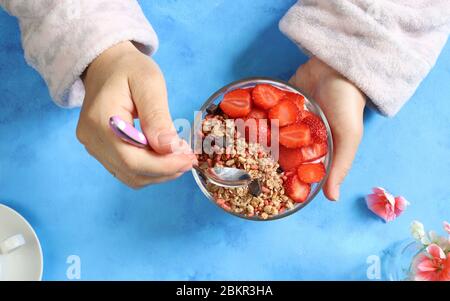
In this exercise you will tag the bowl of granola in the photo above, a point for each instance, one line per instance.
(276, 133)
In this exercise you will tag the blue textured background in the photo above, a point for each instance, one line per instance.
(171, 231)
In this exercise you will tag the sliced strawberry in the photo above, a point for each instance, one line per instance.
(297, 99)
(305, 113)
(249, 89)
(296, 135)
(257, 113)
(266, 96)
(289, 158)
(314, 151)
(291, 172)
(317, 127)
(311, 172)
(296, 189)
(237, 103)
(285, 111)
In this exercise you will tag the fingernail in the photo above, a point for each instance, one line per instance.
(336, 194)
(167, 138)
(182, 147)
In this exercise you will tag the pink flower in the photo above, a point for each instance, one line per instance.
(447, 227)
(383, 204)
(432, 265)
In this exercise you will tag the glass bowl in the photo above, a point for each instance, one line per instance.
(310, 104)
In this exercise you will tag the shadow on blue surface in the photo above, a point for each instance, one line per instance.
(362, 210)
(269, 54)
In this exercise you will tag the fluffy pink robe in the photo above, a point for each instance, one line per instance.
(386, 47)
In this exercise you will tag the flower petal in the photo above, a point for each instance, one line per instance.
(383, 204)
(436, 251)
(400, 205)
(434, 237)
(426, 266)
(422, 270)
(378, 190)
(425, 240)
(380, 207)
(417, 230)
(445, 276)
(447, 227)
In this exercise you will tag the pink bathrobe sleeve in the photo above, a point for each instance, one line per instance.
(385, 47)
(62, 37)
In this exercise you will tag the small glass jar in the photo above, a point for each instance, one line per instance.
(397, 264)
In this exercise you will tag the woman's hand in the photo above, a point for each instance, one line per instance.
(123, 81)
(343, 104)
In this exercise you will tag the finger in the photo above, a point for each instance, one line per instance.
(345, 148)
(133, 160)
(132, 180)
(166, 179)
(138, 182)
(149, 163)
(150, 96)
(302, 80)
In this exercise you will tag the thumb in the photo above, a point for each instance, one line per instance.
(150, 97)
(345, 148)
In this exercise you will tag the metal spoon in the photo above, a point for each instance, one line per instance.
(225, 176)
(220, 176)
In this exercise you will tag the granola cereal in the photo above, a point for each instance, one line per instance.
(267, 201)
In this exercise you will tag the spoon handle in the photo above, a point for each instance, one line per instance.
(200, 171)
(127, 132)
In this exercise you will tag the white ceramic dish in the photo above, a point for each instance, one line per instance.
(26, 262)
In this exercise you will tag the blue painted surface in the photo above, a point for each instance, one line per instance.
(171, 231)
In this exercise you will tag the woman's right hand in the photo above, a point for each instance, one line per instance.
(122, 81)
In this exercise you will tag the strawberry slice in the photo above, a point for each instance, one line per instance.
(314, 151)
(297, 99)
(237, 103)
(296, 189)
(296, 135)
(257, 113)
(303, 114)
(249, 89)
(317, 127)
(311, 172)
(266, 96)
(285, 111)
(289, 158)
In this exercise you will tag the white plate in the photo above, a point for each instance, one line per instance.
(25, 263)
